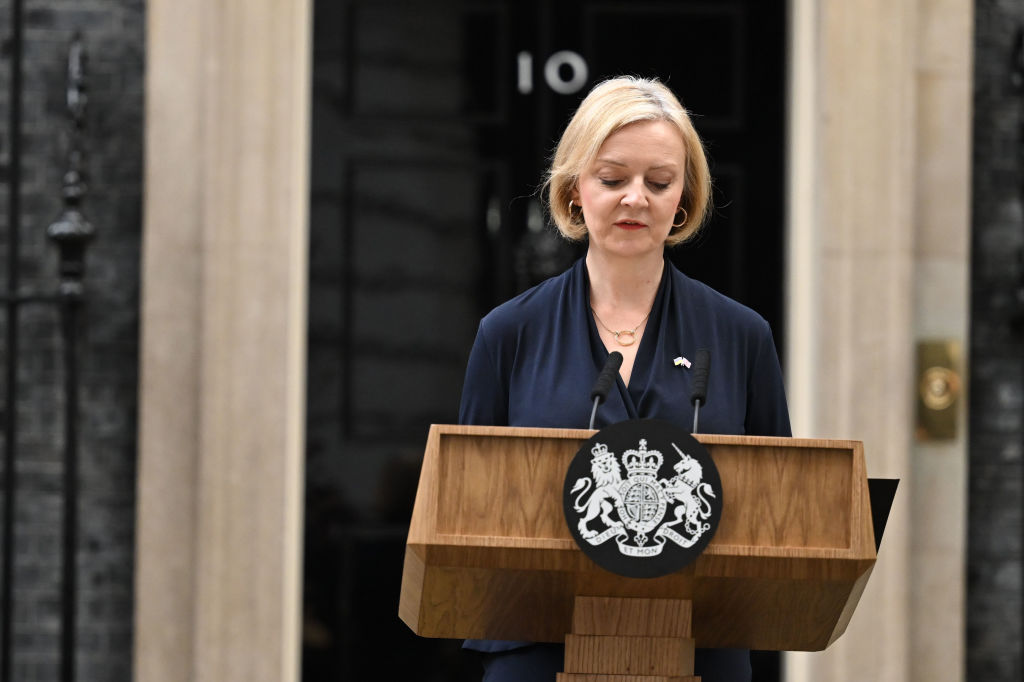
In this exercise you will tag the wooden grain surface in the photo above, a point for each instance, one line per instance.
(520, 497)
(631, 616)
(620, 655)
(640, 639)
(489, 554)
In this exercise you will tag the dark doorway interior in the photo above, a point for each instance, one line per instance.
(432, 124)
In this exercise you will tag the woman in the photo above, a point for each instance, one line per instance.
(630, 177)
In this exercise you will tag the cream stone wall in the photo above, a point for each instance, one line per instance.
(219, 521)
(878, 260)
(879, 223)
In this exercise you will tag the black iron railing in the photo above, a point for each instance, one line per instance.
(71, 233)
(1017, 83)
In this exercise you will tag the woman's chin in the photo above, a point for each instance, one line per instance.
(630, 248)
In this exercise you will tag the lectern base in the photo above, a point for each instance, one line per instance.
(629, 640)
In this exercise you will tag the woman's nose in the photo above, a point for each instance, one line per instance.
(634, 194)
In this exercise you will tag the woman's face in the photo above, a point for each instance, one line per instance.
(630, 193)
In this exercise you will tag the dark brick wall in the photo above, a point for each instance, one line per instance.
(113, 32)
(994, 637)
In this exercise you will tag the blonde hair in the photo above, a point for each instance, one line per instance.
(612, 105)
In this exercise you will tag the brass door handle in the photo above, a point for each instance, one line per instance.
(938, 389)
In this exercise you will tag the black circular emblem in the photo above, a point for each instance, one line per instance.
(642, 498)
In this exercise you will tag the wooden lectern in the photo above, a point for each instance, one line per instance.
(489, 555)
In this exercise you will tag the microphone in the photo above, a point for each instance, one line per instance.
(604, 382)
(701, 366)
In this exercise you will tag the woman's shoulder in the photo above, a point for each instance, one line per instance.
(536, 303)
(713, 303)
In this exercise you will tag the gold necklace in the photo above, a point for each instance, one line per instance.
(630, 334)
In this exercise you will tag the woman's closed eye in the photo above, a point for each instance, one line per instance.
(658, 186)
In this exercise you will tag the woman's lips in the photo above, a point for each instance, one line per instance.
(626, 225)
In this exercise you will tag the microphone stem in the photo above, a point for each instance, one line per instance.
(593, 413)
(696, 414)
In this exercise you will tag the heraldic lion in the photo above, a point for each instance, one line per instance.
(607, 476)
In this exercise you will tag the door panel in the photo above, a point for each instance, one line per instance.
(432, 125)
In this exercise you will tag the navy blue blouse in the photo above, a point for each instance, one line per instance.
(536, 357)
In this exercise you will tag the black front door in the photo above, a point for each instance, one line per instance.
(432, 124)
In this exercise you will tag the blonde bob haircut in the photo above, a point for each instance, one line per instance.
(612, 105)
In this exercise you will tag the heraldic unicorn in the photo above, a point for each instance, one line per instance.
(632, 508)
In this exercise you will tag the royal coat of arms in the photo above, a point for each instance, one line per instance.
(632, 510)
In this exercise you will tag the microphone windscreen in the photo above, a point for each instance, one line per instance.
(701, 366)
(606, 379)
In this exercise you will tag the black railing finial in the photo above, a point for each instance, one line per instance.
(71, 231)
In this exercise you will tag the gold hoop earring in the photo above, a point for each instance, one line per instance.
(686, 216)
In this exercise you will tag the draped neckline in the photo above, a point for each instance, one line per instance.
(632, 395)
